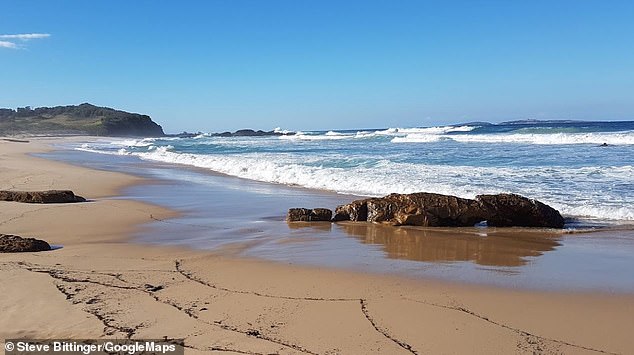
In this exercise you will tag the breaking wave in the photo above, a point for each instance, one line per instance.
(383, 177)
(560, 165)
(613, 138)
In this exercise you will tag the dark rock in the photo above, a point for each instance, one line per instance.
(184, 134)
(254, 333)
(248, 133)
(356, 211)
(321, 215)
(298, 215)
(15, 244)
(153, 288)
(251, 133)
(510, 210)
(435, 210)
(417, 209)
(308, 215)
(51, 196)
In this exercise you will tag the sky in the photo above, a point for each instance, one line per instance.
(221, 65)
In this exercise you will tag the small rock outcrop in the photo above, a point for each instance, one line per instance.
(309, 215)
(14, 244)
(51, 196)
(510, 210)
(435, 210)
(251, 133)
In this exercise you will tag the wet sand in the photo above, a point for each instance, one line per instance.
(100, 284)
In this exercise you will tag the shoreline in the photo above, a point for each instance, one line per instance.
(582, 219)
(247, 217)
(96, 286)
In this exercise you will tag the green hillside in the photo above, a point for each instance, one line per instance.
(85, 119)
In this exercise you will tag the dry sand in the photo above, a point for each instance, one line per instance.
(101, 285)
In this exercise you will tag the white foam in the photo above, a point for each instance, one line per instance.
(592, 191)
(418, 138)
(435, 130)
(387, 177)
(315, 137)
(390, 132)
(615, 138)
(599, 212)
(280, 130)
(134, 142)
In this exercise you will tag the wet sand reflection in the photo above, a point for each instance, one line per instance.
(485, 246)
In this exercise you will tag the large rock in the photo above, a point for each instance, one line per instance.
(435, 210)
(417, 209)
(15, 244)
(51, 196)
(308, 215)
(510, 210)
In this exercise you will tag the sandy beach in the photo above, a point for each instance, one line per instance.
(102, 285)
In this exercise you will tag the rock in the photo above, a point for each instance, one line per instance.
(51, 196)
(356, 211)
(321, 215)
(251, 133)
(15, 244)
(510, 210)
(298, 215)
(417, 209)
(248, 133)
(308, 215)
(435, 210)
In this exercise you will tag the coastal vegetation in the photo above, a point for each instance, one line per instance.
(84, 119)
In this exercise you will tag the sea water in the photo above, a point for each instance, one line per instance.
(232, 194)
(583, 169)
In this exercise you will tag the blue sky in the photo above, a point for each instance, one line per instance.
(300, 64)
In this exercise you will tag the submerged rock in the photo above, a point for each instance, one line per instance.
(51, 196)
(435, 210)
(14, 244)
(309, 215)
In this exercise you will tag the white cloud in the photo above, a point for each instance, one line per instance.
(25, 36)
(5, 44)
(19, 37)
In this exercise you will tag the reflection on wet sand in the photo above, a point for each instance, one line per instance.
(316, 226)
(492, 247)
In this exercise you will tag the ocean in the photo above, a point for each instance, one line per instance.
(583, 169)
(232, 194)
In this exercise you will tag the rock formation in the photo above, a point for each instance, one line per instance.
(251, 133)
(308, 215)
(435, 210)
(51, 196)
(14, 244)
(419, 209)
(509, 210)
